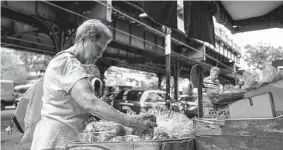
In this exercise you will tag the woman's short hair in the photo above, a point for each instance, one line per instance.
(215, 69)
(92, 29)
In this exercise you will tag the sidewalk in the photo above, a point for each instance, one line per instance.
(11, 142)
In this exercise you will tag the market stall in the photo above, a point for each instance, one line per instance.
(240, 118)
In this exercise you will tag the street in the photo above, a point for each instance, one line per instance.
(10, 142)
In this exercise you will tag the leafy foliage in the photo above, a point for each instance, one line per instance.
(34, 61)
(258, 56)
(11, 69)
(16, 65)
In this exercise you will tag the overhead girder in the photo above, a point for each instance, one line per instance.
(30, 19)
(125, 61)
(142, 68)
(21, 47)
(52, 33)
(27, 41)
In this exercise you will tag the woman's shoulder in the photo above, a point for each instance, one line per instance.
(62, 62)
(63, 58)
(64, 55)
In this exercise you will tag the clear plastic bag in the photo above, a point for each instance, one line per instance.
(174, 124)
(269, 74)
(132, 138)
(117, 139)
(101, 132)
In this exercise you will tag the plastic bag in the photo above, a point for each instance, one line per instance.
(132, 138)
(117, 139)
(270, 73)
(101, 131)
(33, 110)
(249, 81)
(174, 124)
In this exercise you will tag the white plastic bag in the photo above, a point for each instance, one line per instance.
(33, 110)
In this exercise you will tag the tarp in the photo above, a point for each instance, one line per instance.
(163, 12)
(198, 20)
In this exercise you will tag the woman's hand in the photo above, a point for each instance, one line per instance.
(142, 123)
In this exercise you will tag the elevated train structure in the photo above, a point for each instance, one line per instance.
(48, 27)
(154, 45)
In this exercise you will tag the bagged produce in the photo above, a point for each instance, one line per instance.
(249, 81)
(171, 125)
(174, 124)
(101, 131)
(126, 138)
(132, 138)
(270, 73)
(117, 139)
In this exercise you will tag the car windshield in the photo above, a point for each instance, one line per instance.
(134, 95)
(188, 99)
(155, 97)
(120, 95)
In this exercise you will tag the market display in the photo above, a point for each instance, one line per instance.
(271, 74)
(171, 125)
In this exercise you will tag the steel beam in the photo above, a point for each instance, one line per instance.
(27, 48)
(27, 41)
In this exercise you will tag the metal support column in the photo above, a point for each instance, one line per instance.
(168, 59)
(176, 79)
(234, 73)
(196, 77)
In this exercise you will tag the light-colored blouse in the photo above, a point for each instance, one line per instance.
(62, 117)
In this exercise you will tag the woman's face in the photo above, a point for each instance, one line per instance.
(94, 49)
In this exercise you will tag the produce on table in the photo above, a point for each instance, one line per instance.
(270, 74)
(249, 81)
(132, 138)
(174, 124)
(101, 131)
(126, 138)
(171, 125)
(117, 139)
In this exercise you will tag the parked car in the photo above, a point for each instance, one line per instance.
(109, 98)
(19, 91)
(7, 93)
(140, 100)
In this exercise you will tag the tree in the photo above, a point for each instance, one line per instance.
(11, 69)
(15, 65)
(33, 61)
(257, 56)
